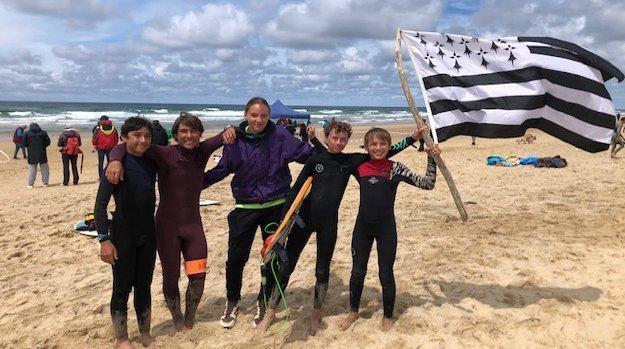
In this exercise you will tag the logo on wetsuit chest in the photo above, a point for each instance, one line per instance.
(373, 180)
(319, 168)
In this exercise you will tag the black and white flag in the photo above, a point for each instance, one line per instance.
(500, 88)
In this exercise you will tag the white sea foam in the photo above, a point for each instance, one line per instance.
(331, 111)
(21, 113)
(160, 111)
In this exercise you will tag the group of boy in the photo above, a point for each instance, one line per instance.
(128, 243)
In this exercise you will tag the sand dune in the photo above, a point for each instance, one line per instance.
(541, 262)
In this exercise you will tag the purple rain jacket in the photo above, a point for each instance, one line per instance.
(260, 164)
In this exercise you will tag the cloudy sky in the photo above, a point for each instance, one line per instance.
(307, 52)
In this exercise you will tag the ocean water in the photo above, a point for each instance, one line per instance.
(54, 116)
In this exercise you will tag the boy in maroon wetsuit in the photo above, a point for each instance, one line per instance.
(178, 222)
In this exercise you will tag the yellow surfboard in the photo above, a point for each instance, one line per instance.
(287, 223)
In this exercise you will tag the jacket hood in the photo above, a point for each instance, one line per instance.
(270, 128)
(70, 132)
(34, 127)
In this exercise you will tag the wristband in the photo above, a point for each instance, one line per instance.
(103, 237)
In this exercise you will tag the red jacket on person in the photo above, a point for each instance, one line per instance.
(105, 136)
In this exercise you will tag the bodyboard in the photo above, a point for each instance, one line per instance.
(80, 227)
(287, 223)
(206, 202)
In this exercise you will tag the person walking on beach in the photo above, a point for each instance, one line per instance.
(159, 135)
(36, 141)
(104, 139)
(18, 139)
(70, 142)
(379, 179)
(128, 242)
(259, 159)
(179, 227)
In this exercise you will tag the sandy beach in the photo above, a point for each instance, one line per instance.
(540, 263)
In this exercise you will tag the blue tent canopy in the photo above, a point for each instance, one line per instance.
(279, 110)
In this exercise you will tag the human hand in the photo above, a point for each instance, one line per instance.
(416, 134)
(435, 151)
(114, 172)
(229, 135)
(108, 252)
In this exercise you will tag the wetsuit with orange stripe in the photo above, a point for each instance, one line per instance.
(178, 222)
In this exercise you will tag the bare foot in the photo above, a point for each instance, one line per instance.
(147, 340)
(387, 323)
(264, 324)
(124, 344)
(348, 320)
(315, 322)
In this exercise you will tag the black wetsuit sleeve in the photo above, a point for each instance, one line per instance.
(399, 172)
(306, 172)
(401, 145)
(105, 191)
(318, 145)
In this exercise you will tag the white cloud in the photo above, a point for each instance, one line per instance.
(324, 22)
(215, 25)
(78, 14)
(77, 54)
(355, 62)
(311, 56)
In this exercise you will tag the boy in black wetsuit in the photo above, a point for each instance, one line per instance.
(379, 178)
(131, 245)
(330, 170)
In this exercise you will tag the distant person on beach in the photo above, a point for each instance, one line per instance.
(259, 159)
(18, 139)
(290, 126)
(104, 139)
(330, 169)
(159, 134)
(379, 179)
(179, 229)
(95, 128)
(128, 242)
(69, 143)
(302, 132)
(36, 141)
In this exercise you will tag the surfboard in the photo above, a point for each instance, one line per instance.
(82, 225)
(206, 202)
(287, 223)
(5, 155)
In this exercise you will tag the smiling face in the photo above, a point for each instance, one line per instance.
(138, 141)
(378, 148)
(188, 137)
(257, 116)
(336, 141)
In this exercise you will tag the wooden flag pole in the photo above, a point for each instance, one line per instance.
(426, 136)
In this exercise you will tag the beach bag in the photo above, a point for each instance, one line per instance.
(72, 148)
(89, 223)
